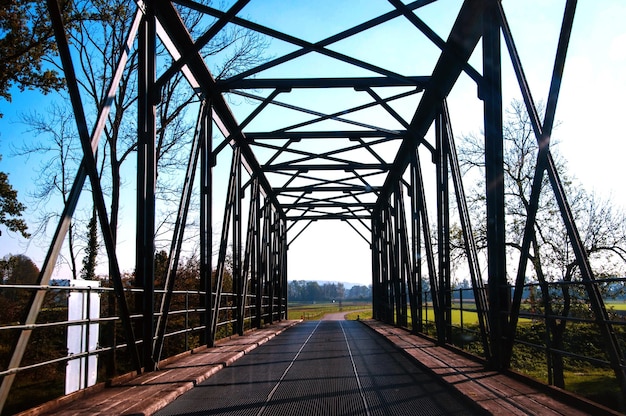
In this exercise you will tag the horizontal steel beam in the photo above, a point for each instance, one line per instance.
(464, 36)
(289, 83)
(341, 217)
(321, 188)
(307, 47)
(335, 134)
(337, 167)
(313, 204)
(225, 120)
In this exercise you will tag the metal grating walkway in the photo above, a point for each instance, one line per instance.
(322, 368)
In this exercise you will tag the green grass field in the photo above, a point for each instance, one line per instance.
(618, 306)
(309, 311)
(317, 311)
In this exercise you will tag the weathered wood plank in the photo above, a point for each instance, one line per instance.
(149, 392)
(494, 392)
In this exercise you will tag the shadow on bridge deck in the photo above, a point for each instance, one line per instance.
(496, 393)
(493, 393)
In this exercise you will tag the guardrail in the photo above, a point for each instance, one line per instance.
(42, 374)
(555, 344)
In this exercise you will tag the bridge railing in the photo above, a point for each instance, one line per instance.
(71, 350)
(557, 339)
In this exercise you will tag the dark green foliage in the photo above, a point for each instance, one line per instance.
(10, 208)
(26, 39)
(312, 291)
(359, 292)
(91, 251)
(18, 270)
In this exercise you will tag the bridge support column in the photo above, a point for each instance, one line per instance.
(146, 181)
(282, 266)
(416, 247)
(491, 94)
(258, 273)
(236, 242)
(221, 260)
(249, 264)
(179, 230)
(206, 219)
(375, 250)
(404, 263)
(267, 262)
(444, 294)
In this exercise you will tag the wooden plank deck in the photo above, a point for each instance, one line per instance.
(147, 393)
(496, 393)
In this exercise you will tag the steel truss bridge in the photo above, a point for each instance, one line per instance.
(385, 171)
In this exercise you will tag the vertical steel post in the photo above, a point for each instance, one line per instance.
(146, 179)
(269, 276)
(283, 266)
(416, 248)
(428, 244)
(377, 297)
(264, 289)
(257, 274)
(206, 218)
(394, 251)
(471, 251)
(249, 255)
(444, 294)
(386, 289)
(237, 272)
(406, 266)
(382, 267)
(221, 259)
(375, 248)
(491, 94)
(277, 264)
(178, 235)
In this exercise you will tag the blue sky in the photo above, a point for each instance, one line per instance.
(591, 108)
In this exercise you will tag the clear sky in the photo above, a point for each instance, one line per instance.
(591, 108)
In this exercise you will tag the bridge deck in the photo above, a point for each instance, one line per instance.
(323, 368)
(496, 393)
(147, 393)
(320, 368)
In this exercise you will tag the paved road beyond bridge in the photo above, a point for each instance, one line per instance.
(325, 367)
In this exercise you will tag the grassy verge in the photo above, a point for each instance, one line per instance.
(316, 311)
(353, 316)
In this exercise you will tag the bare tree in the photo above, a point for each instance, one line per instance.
(58, 163)
(99, 38)
(601, 223)
(100, 42)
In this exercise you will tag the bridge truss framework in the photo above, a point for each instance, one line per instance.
(384, 200)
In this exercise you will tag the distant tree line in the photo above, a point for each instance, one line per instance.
(312, 291)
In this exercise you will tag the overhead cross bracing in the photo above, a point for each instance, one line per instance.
(352, 124)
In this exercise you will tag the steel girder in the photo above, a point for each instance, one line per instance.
(396, 271)
(146, 182)
(491, 94)
(206, 221)
(545, 165)
(464, 36)
(293, 184)
(197, 147)
(87, 167)
(471, 252)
